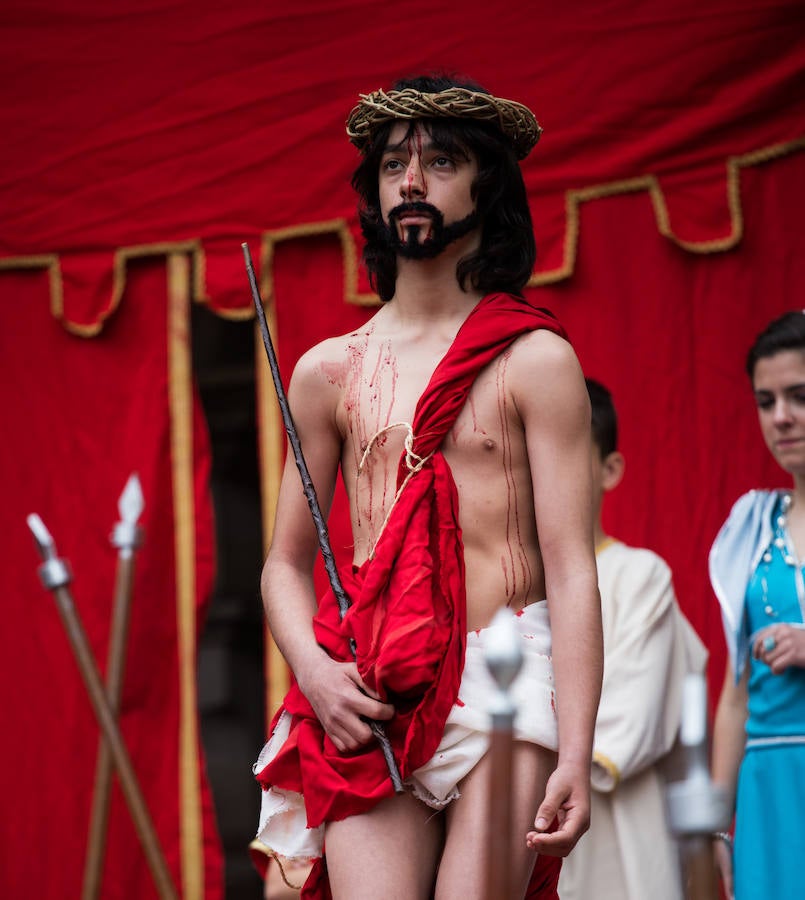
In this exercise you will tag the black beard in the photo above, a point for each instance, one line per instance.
(440, 238)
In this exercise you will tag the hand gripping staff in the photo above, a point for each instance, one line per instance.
(310, 495)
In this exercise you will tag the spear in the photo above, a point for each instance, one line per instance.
(127, 536)
(312, 501)
(56, 576)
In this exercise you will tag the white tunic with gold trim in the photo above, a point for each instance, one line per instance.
(649, 647)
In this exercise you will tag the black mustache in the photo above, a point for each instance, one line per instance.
(415, 206)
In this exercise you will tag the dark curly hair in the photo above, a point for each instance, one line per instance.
(505, 258)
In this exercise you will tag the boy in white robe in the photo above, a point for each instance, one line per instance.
(649, 647)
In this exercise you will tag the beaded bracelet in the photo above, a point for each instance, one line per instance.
(725, 837)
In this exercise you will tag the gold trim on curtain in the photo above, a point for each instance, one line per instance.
(573, 200)
(649, 183)
(180, 398)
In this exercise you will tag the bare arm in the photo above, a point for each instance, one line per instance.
(333, 688)
(729, 735)
(555, 410)
(729, 738)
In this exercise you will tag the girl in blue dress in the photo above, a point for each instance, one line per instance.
(756, 568)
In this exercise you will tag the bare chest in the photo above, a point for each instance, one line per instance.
(381, 386)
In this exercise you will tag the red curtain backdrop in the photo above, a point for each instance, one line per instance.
(666, 194)
(81, 416)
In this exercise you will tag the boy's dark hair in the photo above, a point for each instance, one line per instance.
(784, 333)
(505, 258)
(604, 418)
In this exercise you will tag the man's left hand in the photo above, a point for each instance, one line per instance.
(567, 799)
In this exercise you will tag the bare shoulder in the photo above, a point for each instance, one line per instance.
(545, 351)
(547, 375)
(325, 364)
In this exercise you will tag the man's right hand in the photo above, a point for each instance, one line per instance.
(342, 702)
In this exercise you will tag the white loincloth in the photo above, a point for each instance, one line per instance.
(466, 733)
(283, 826)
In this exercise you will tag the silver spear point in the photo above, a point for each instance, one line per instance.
(54, 572)
(127, 536)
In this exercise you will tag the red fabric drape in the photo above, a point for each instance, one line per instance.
(408, 602)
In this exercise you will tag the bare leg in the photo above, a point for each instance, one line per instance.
(389, 852)
(462, 871)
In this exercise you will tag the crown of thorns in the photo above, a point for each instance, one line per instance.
(516, 121)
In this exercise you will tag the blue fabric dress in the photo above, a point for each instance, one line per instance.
(770, 803)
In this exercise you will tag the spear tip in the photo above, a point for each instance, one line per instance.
(131, 502)
(42, 536)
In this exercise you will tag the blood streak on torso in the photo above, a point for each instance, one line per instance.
(381, 379)
(369, 397)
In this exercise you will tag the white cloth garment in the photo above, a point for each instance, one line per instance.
(466, 733)
(283, 826)
(649, 647)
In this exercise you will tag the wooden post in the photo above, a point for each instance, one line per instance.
(697, 808)
(504, 657)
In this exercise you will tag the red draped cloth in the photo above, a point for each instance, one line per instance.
(408, 612)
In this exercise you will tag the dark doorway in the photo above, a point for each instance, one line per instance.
(230, 659)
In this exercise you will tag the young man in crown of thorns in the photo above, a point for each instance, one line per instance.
(460, 421)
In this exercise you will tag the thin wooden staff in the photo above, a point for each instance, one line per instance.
(55, 576)
(312, 500)
(126, 537)
(504, 658)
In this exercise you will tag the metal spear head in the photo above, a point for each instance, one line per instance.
(131, 502)
(127, 535)
(54, 572)
(502, 650)
(44, 541)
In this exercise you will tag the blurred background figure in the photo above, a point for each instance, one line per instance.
(756, 571)
(649, 647)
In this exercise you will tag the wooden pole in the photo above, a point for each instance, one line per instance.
(126, 537)
(503, 659)
(701, 879)
(498, 869)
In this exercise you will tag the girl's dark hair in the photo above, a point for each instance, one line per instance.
(785, 333)
(505, 258)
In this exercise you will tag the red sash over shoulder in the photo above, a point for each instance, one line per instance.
(408, 613)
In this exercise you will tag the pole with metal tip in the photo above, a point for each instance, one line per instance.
(56, 576)
(312, 501)
(504, 657)
(127, 537)
(697, 808)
